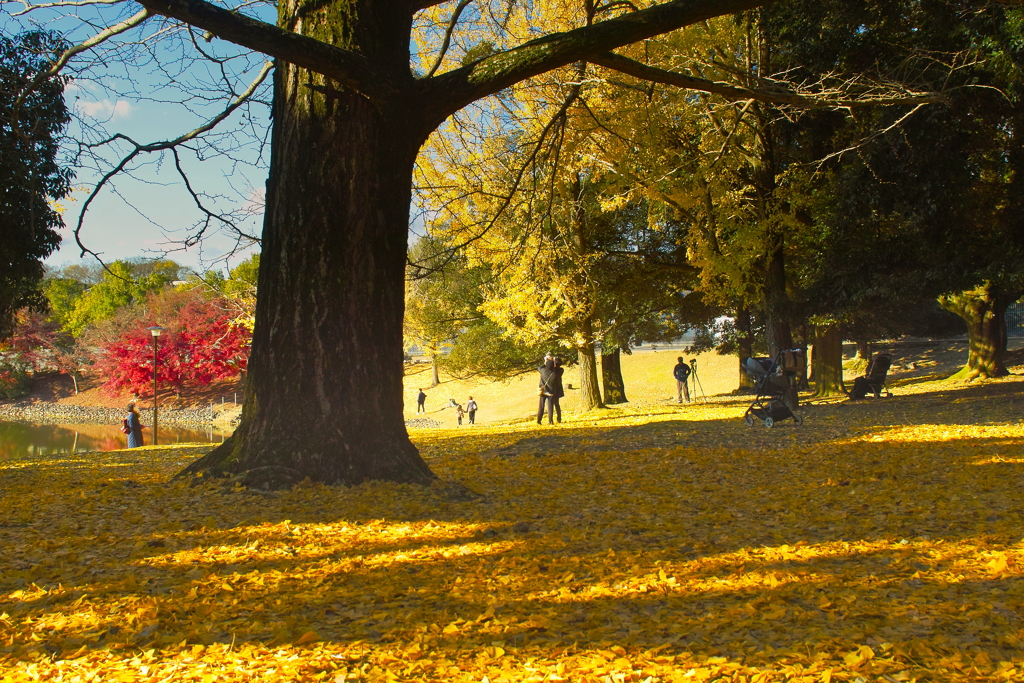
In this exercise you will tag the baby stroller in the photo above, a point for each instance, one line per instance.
(874, 379)
(772, 380)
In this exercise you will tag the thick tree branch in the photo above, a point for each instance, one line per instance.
(344, 66)
(772, 96)
(449, 92)
(418, 5)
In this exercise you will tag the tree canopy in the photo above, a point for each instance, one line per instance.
(33, 116)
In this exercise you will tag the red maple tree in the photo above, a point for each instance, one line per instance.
(201, 342)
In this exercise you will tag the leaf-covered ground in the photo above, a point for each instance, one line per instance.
(880, 541)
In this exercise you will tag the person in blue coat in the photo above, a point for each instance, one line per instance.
(134, 426)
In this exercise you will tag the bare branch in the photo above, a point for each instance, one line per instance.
(781, 96)
(448, 35)
(29, 7)
(874, 136)
(160, 146)
(62, 61)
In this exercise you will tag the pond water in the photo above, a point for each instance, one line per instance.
(23, 439)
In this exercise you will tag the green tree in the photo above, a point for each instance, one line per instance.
(62, 296)
(944, 189)
(123, 283)
(33, 116)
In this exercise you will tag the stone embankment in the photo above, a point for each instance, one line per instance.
(421, 423)
(41, 412)
(59, 413)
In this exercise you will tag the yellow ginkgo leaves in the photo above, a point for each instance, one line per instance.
(657, 544)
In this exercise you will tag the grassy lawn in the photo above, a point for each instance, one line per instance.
(880, 541)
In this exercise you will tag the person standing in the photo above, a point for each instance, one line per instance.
(459, 412)
(421, 402)
(545, 391)
(134, 425)
(471, 409)
(557, 392)
(682, 374)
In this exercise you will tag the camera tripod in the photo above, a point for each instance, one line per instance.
(696, 381)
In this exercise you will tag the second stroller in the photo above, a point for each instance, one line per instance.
(772, 380)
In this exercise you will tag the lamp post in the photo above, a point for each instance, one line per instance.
(155, 331)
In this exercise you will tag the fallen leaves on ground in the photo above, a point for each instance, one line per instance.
(880, 541)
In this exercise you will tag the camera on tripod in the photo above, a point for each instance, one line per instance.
(697, 386)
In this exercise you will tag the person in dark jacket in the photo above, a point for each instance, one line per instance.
(421, 402)
(682, 373)
(134, 426)
(546, 390)
(557, 392)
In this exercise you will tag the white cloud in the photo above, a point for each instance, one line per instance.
(105, 109)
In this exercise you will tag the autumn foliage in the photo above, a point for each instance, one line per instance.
(201, 342)
(879, 542)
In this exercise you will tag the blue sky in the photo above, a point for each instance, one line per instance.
(152, 91)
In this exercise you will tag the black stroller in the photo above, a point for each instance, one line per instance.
(772, 379)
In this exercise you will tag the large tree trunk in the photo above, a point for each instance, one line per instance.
(776, 304)
(827, 361)
(744, 346)
(324, 393)
(590, 390)
(983, 309)
(611, 376)
(435, 375)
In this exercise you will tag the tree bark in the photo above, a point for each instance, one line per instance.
(983, 309)
(435, 377)
(611, 375)
(827, 361)
(324, 393)
(590, 390)
(864, 350)
(744, 346)
(776, 303)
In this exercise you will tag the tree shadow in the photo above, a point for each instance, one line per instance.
(704, 538)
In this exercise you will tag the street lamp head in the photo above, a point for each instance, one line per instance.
(156, 330)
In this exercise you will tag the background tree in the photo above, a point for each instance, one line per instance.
(33, 117)
(202, 343)
(123, 282)
(891, 204)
